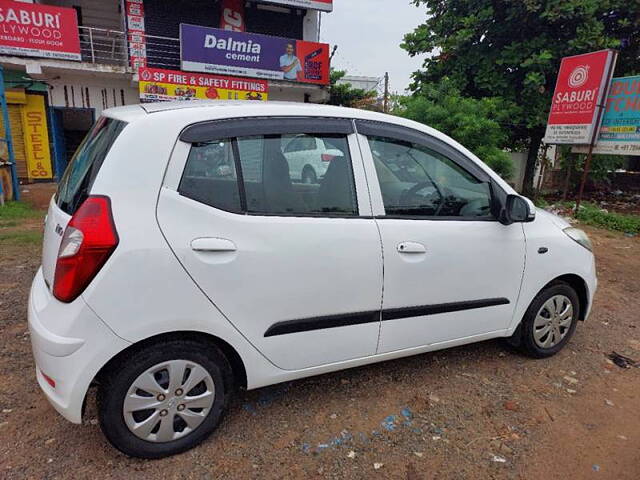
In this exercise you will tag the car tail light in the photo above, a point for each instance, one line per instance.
(326, 157)
(88, 241)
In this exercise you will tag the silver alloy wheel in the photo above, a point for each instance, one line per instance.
(553, 321)
(168, 401)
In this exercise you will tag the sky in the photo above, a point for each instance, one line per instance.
(368, 34)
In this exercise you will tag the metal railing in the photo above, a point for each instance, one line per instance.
(110, 47)
(163, 52)
(100, 45)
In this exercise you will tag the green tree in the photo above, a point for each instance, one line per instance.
(511, 50)
(343, 94)
(472, 122)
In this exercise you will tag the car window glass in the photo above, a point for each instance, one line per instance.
(418, 181)
(272, 180)
(301, 143)
(279, 181)
(210, 176)
(86, 162)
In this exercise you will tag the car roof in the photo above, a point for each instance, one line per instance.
(192, 111)
(184, 113)
(220, 109)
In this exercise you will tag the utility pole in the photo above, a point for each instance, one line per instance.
(594, 135)
(385, 104)
(333, 52)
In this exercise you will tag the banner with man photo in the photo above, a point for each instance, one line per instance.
(213, 50)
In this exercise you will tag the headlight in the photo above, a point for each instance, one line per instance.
(579, 236)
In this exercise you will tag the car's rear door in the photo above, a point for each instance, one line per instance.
(297, 268)
(452, 272)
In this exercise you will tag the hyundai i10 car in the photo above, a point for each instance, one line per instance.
(184, 257)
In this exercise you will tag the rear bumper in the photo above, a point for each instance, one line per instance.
(70, 345)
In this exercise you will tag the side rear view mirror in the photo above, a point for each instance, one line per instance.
(517, 209)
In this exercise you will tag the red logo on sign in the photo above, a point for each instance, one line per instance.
(232, 15)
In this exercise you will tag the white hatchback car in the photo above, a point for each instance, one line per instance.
(181, 261)
(308, 157)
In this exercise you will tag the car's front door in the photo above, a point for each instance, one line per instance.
(297, 268)
(451, 271)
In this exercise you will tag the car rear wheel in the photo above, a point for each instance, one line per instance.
(164, 399)
(309, 175)
(550, 321)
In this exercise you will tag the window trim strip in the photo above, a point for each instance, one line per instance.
(359, 318)
(208, 131)
(242, 191)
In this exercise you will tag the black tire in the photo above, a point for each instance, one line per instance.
(523, 338)
(126, 369)
(309, 175)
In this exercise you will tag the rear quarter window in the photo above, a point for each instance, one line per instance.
(85, 164)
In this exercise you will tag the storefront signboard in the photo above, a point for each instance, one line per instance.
(620, 128)
(36, 138)
(213, 50)
(34, 30)
(162, 85)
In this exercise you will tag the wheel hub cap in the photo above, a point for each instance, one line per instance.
(168, 401)
(553, 321)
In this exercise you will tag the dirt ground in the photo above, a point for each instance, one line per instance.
(478, 411)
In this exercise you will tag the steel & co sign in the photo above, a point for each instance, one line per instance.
(36, 138)
(580, 88)
(35, 30)
(161, 85)
(213, 50)
(620, 128)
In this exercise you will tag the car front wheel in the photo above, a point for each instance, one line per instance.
(550, 321)
(164, 399)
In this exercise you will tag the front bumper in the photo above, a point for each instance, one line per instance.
(70, 345)
(592, 286)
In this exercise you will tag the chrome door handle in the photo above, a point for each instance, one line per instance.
(411, 247)
(212, 244)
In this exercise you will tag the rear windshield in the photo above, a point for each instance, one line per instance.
(76, 182)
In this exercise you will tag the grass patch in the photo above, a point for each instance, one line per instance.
(12, 212)
(592, 215)
(20, 238)
(540, 202)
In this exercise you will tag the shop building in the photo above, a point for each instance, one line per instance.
(86, 55)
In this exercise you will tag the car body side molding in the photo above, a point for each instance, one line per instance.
(357, 318)
(398, 313)
(320, 323)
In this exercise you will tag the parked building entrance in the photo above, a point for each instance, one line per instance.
(68, 127)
